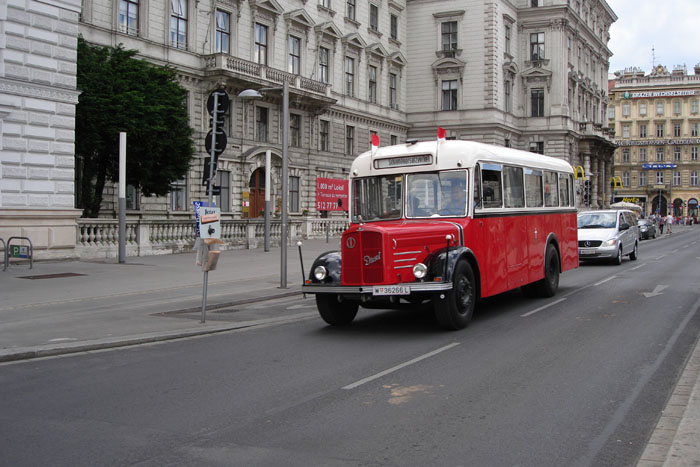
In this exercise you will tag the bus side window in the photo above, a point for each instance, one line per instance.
(477, 187)
(513, 187)
(491, 185)
(533, 188)
(551, 190)
(564, 189)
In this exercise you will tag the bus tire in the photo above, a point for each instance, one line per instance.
(456, 309)
(548, 286)
(334, 312)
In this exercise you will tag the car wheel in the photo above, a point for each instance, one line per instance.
(618, 258)
(456, 309)
(548, 286)
(635, 253)
(334, 312)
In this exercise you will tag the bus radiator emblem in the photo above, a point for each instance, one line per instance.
(369, 260)
(350, 242)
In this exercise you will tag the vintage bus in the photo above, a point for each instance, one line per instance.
(446, 223)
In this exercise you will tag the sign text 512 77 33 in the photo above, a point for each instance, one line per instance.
(331, 194)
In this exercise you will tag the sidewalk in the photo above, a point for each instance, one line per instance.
(63, 307)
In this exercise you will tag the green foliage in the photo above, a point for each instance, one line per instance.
(121, 93)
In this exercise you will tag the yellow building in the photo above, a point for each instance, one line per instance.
(656, 119)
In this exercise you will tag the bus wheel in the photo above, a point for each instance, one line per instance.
(456, 309)
(548, 286)
(334, 312)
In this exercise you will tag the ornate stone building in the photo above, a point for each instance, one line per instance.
(656, 117)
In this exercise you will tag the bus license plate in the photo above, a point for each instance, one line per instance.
(586, 252)
(391, 290)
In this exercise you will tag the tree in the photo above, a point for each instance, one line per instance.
(121, 93)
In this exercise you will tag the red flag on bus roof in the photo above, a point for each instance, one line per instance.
(375, 142)
(441, 134)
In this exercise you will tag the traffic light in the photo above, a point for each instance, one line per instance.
(587, 192)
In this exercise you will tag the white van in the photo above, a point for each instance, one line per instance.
(609, 234)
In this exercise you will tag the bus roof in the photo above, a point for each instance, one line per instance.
(452, 154)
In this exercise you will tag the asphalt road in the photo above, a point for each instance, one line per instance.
(576, 380)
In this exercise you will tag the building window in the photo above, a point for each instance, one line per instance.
(659, 154)
(642, 154)
(393, 139)
(178, 195)
(223, 31)
(625, 131)
(676, 179)
(677, 107)
(294, 194)
(625, 179)
(394, 27)
(626, 109)
(508, 99)
(373, 16)
(294, 65)
(659, 108)
(659, 130)
(693, 178)
(351, 9)
(326, 4)
(642, 178)
(534, 3)
(261, 124)
(449, 35)
(349, 140)
(611, 113)
(323, 64)
(178, 23)
(676, 129)
(393, 101)
(643, 109)
(260, 52)
(129, 17)
(537, 46)
(537, 147)
(324, 132)
(676, 154)
(659, 178)
(694, 107)
(223, 201)
(508, 32)
(295, 130)
(449, 94)
(642, 130)
(537, 103)
(625, 155)
(372, 84)
(693, 129)
(693, 153)
(349, 76)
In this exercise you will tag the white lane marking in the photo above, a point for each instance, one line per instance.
(659, 257)
(542, 308)
(605, 280)
(637, 267)
(398, 367)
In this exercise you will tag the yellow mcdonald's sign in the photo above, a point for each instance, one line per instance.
(583, 173)
(615, 182)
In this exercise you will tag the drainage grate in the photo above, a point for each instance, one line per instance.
(52, 276)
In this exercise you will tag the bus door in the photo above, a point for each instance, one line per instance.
(515, 227)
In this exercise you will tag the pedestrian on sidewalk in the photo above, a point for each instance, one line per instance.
(661, 221)
(669, 223)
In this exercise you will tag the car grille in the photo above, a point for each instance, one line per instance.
(589, 243)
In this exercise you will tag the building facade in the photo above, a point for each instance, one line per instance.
(38, 42)
(657, 118)
(531, 74)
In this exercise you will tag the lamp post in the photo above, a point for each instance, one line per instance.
(255, 94)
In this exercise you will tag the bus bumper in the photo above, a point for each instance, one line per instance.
(407, 289)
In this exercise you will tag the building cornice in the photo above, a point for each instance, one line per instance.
(38, 91)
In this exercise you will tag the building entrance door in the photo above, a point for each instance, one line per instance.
(257, 192)
(655, 208)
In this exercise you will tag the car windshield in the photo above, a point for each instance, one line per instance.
(597, 220)
(377, 198)
(641, 222)
(437, 194)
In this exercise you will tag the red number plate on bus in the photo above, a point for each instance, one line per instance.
(391, 290)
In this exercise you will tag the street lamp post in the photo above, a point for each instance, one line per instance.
(255, 94)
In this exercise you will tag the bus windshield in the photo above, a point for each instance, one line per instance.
(437, 194)
(377, 198)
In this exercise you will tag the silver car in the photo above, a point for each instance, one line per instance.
(609, 234)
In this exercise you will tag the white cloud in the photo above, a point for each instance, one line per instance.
(670, 27)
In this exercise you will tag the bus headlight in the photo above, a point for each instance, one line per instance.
(320, 272)
(420, 270)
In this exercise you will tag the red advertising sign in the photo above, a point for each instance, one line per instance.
(332, 194)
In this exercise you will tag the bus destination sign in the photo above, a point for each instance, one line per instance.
(403, 161)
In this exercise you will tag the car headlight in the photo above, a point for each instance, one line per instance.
(420, 270)
(611, 242)
(320, 272)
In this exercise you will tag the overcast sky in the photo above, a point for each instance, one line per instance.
(671, 27)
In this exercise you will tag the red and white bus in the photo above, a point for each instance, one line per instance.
(513, 225)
